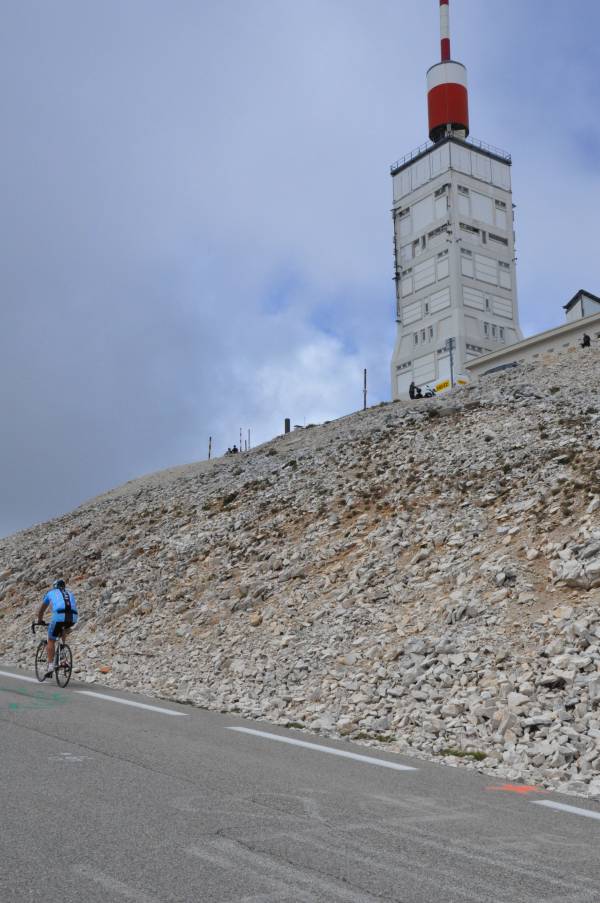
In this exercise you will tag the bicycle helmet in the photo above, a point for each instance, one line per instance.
(60, 584)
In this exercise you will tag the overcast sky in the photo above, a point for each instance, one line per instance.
(195, 221)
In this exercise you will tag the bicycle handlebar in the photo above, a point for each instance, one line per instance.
(35, 624)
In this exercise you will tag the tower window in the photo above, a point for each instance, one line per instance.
(435, 232)
(416, 337)
(486, 328)
(499, 239)
(463, 190)
(430, 333)
(500, 205)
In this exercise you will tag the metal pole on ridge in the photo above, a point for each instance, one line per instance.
(451, 347)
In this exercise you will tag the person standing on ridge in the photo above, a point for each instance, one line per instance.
(63, 608)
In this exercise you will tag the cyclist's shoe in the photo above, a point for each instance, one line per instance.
(50, 671)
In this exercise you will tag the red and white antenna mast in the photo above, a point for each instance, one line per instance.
(445, 30)
(447, 96)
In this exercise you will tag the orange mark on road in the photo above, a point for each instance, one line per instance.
(517, 788)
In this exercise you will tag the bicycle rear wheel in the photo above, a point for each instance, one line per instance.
(65, 665)
(41, 660)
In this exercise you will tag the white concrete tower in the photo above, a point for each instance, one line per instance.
(456, 294)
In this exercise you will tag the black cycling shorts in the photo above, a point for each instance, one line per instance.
(56, 627)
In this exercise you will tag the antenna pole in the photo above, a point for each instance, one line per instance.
(445, 29)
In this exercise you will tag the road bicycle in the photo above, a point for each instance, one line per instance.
(63, 659)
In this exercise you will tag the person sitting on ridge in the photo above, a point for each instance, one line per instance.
(586, 342)
(63, 608)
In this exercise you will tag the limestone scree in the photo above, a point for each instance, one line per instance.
(423, 574)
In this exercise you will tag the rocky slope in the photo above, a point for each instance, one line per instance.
(422, 574)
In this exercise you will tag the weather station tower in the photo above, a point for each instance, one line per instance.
(454, 244)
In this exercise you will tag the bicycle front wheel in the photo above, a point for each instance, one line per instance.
(41, 661)
(65, 665)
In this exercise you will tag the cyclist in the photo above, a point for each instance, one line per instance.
(63, 607)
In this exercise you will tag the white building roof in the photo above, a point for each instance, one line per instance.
(551, 340)
(581, 295)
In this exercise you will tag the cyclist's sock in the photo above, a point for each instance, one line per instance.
(50, 666)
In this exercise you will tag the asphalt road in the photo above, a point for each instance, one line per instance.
(103, 801)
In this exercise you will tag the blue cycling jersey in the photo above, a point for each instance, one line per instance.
(54, 598)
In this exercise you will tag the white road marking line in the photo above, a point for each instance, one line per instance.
(326, 749)
(562, 807)
(138, 705)
(31, 680)
(111, 884)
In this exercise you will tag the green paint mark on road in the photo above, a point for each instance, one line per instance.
(36, 699)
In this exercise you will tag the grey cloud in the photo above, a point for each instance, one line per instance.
(195, 223)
